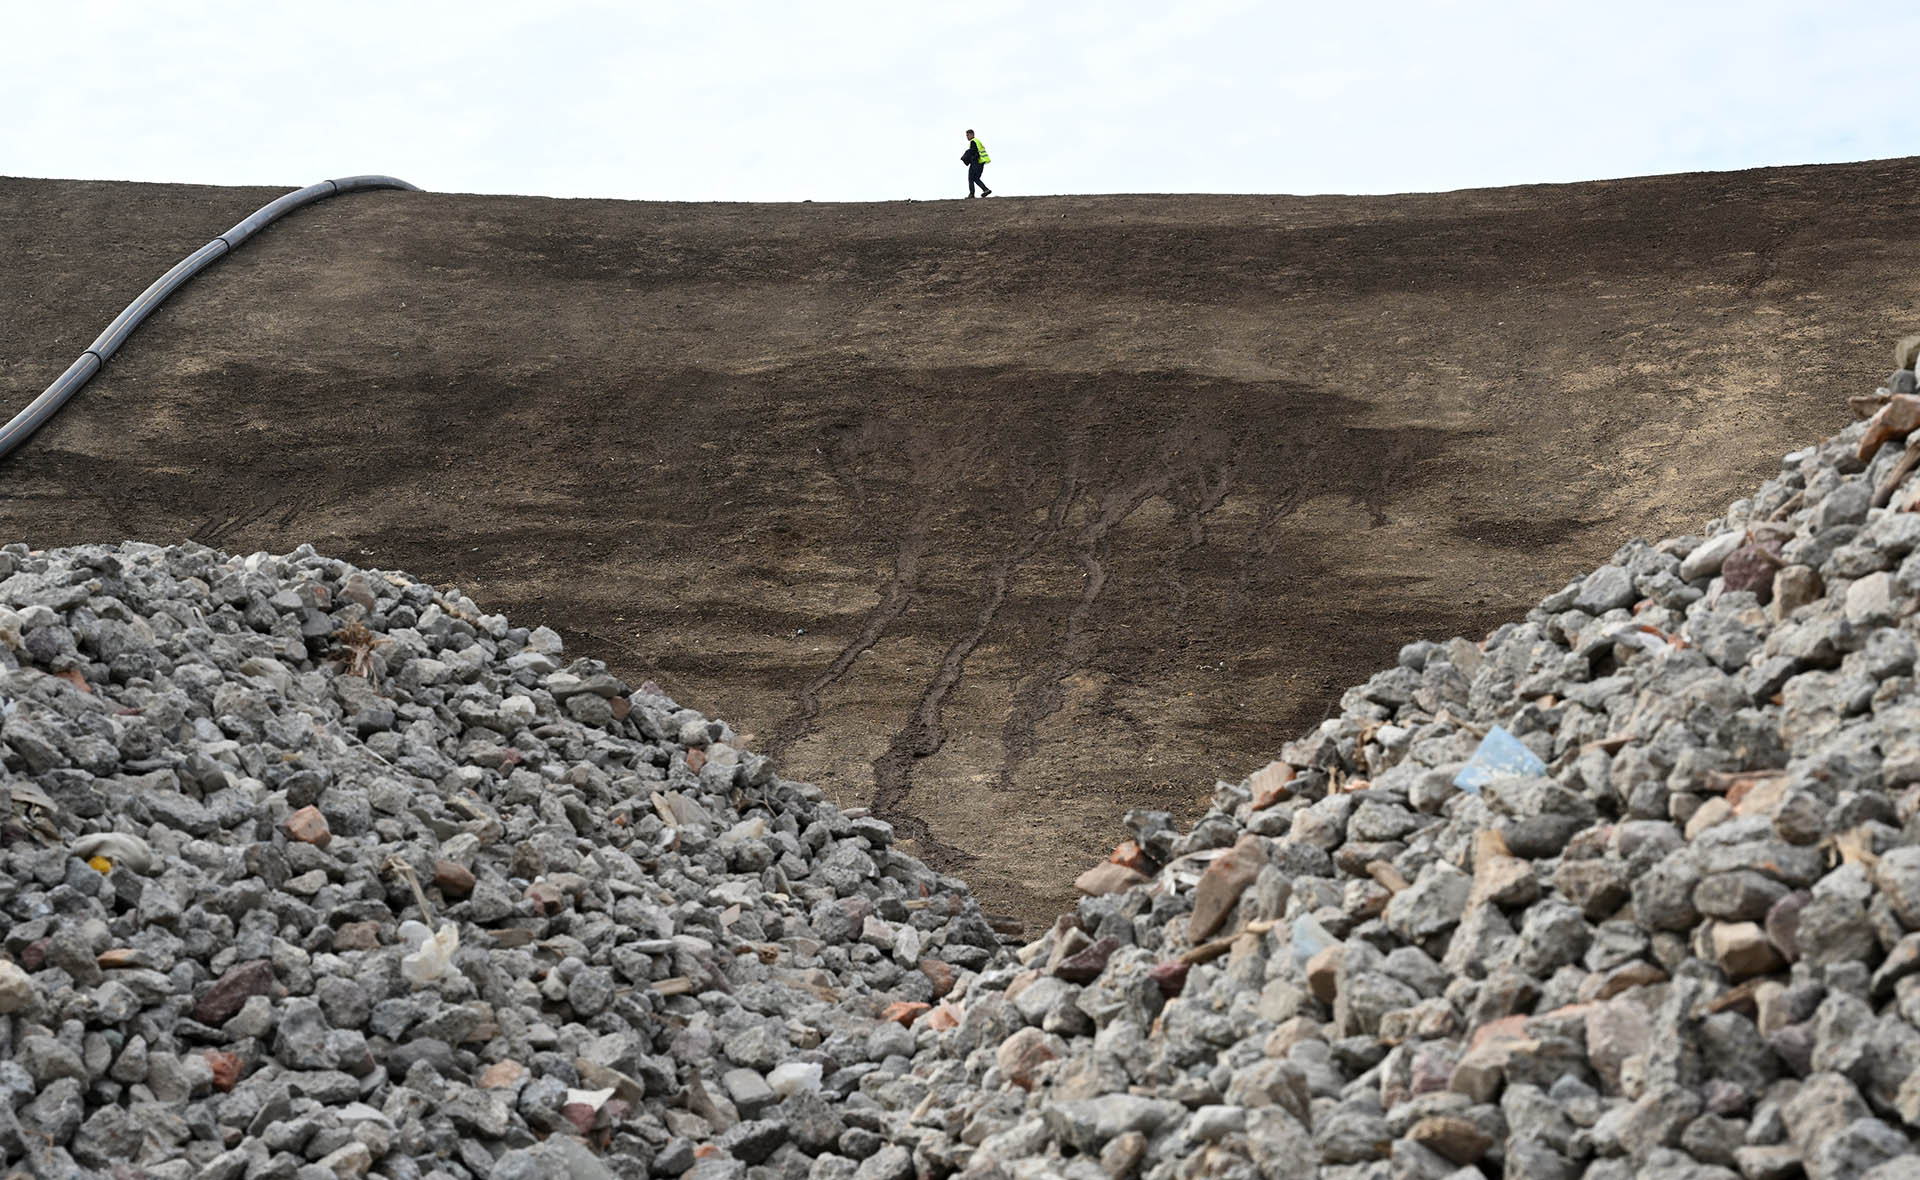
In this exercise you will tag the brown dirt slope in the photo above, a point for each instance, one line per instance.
(1002, 516)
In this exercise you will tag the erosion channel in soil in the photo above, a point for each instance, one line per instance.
(1000, 518)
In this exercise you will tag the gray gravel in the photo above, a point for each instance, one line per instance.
(225, 777)
(312, 871)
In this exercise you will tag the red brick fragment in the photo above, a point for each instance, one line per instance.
(1130, 854)
(938, 973)
(453, 879)
(308, 826)
(231, 991)
(226, 1069)
(1171, 976)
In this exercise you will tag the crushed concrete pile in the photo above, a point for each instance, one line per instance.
(314, 872)
(1631, 888)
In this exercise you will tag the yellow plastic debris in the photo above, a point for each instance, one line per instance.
(100, 864)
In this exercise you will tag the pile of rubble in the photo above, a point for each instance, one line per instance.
(1631, 888)
(313, 871)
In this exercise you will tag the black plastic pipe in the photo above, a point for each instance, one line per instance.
(43, 408)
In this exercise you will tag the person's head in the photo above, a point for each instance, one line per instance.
(969, 133)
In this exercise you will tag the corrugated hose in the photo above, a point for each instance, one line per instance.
(42, 409)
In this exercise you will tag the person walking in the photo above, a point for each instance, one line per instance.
(976, 160)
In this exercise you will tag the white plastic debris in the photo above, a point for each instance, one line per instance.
(118, 847)
(1500, 754)
(794, 1077)
(432, 953)
(746, 829)
(1647, 640)
(1307, 939)
(31, 796)
(591, 1099)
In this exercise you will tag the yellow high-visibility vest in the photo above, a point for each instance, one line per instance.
(982, 149)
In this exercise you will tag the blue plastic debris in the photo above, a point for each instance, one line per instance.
(1308, 939)
(1500, 755)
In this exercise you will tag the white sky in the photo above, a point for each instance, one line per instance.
(859, 100)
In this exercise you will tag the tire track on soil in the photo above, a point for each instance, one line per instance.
(922, 736)
(931, 479)
(910, 548)
(1209, 492)
(1040, 696)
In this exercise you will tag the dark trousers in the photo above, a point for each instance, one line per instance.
(973, 178)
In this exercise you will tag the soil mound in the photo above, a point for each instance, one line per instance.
(998, 518)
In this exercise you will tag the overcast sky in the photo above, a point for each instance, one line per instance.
(858, 100)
